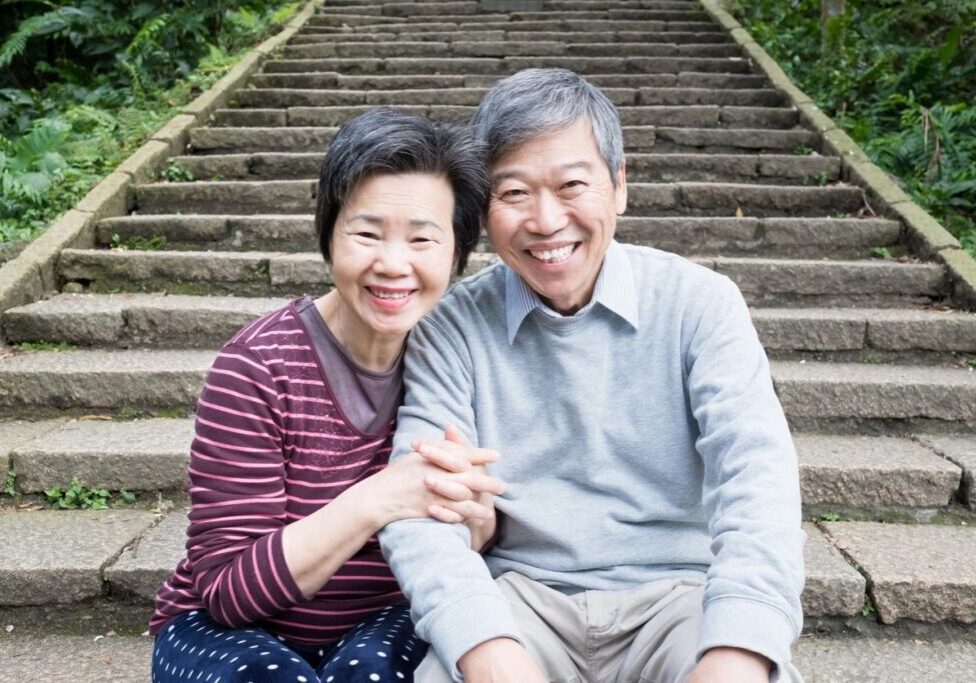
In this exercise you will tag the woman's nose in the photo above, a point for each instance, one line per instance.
(392, 259)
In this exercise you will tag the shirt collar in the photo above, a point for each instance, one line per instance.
(614, 290)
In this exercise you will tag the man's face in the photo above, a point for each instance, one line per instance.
(553, 212)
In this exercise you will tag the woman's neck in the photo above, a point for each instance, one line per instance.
(365, 346)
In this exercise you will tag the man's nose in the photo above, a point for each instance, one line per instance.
(549, 214)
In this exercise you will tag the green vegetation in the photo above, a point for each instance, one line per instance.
(174, 173)
(44, 346)
(79, 496)
(829, 517)
(10, 484)
(900, 78)
(137, 243)
(84, 82)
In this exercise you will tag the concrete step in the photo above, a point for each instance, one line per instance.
(134, 320)
(706, 235)
(486, 22)
(663, 139)
(310, 37)
(644, 199)
(44, 383)
(641, 167)
(820, 658)
(960, 450)
(834, 588)
(270, 98)
(504, 48)
(134, 455)
(505, 65)
(175, 321)
(923, 573)
(873, 475)
(333, 80)
(859, 476)
(763, 281)
(685, 116)
(832, 397)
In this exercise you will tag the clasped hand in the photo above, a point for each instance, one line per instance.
(453, 484)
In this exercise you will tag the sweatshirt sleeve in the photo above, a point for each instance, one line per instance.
(454, 602)
(751, 485)
(237, 491)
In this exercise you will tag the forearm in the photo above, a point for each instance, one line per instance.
(318, 545)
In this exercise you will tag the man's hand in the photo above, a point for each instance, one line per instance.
(731, 665)
(500, 660)
(475, 501)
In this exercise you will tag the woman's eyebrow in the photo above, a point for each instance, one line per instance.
(423, 223)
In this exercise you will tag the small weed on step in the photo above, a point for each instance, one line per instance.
(77, 496)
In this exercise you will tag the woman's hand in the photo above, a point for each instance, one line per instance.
(454, 454)
(440, 479)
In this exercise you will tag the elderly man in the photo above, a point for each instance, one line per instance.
(651, 525)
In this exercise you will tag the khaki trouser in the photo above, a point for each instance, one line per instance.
(647, 634)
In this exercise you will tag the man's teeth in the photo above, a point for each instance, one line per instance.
(389, 295)
(554, 255)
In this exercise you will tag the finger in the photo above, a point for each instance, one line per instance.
(452, 433)
(452, 490)
(441, 513)
(480, 482)
(482, 456)
(444, 458)
(468, 509)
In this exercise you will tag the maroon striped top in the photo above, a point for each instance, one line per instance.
(271, 447)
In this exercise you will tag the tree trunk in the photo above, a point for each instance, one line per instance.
(831, 36)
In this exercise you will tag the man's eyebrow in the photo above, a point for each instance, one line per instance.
(515, 173)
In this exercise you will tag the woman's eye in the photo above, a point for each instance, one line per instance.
(367, 235)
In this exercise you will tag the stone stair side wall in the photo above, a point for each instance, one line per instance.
(924, 235)
(32, 275)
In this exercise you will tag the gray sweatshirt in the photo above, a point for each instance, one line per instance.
(640, 438)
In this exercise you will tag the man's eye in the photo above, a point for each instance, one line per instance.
(512, 194)
(573, 186)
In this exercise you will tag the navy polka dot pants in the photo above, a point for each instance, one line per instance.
(193, 647)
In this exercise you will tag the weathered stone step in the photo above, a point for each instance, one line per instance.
(649, 199)
(309, 37)
(820, 659)
(960, 450)
(764, 168)
(291, 97)
(763, 281)
(920, 572)
(648, 19)
(176, 321)
(132, 455)
(505, 65)
(684, 116)
(873, 474)
(329, 79)
(486, 22)
(859, 393)
(125, 320)
(45, 382)
(663, 139)
(274, 97)
(483, 48)
(857, 475)
(810, 237)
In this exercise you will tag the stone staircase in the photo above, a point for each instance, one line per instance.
(872, 359)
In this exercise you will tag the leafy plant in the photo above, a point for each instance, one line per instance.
(44, 346)
(900, 78)
(137, 243)
(79, 496)
(829, 517)
(881, 252)
(10, 484)
(174, 173)
(867, 609)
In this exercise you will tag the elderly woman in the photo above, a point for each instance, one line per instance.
(283, 578)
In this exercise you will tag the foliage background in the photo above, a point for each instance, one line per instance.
(900, 77)
(83, 83)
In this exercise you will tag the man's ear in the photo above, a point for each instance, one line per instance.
(620, 191)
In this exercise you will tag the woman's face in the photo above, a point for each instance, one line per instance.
(393, 252)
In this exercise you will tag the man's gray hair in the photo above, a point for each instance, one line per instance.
(535, 101)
